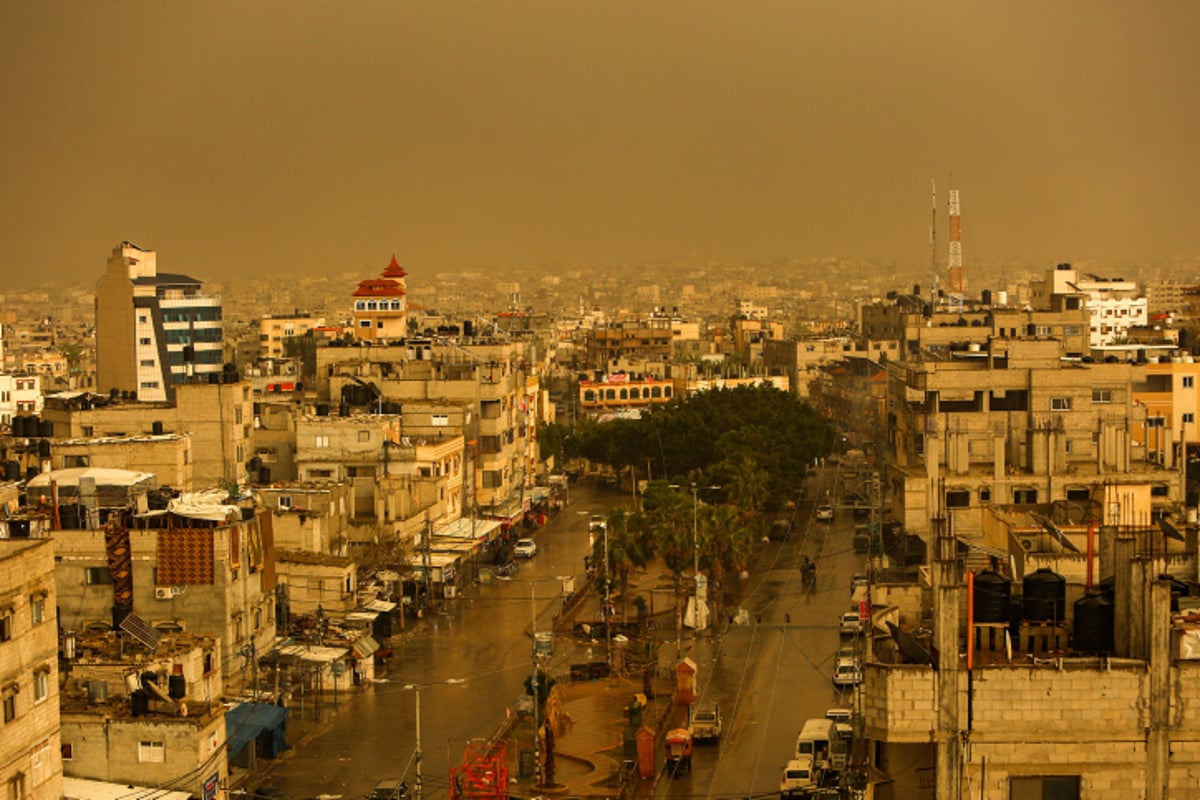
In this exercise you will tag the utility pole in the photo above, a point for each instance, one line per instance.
(607, 602)
(417, 755)
(533, 684)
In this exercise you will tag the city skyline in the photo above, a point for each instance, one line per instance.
(305, 138)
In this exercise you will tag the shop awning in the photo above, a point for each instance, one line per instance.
(365, 647)
(244, 724)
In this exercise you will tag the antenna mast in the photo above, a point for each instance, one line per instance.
(954, 286)
(933, 267)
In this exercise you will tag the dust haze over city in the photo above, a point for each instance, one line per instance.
(290, 140)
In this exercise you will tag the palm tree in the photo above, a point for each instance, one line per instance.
(629, 548)
(748, 488)
(725, 546)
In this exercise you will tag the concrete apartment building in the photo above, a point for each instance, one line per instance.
(1114, 305)
(1013, 423)
(1170, 396)
(217, 417)
(1085, 696)
(395, 483)
(191, 571)
(275, 329)
(30, 761)
(492, 378)
(134, 714)
(649, 339)
(153, 330)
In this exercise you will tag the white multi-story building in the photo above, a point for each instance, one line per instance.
(1114, 304)
(153, 329)
(19, 394)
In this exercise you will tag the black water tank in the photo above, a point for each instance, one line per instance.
(1045, 596)
(253, 465)
(347, 394)
(177, 687)
(992, 593)
(156, 427)
(139, 703)
(31, 473)
(43, 448)
(1093, 632)
(18, 427)
(322, 409)
(986, 297)
(264, 474)
(46, 428)
(12, 470)
(344, 410)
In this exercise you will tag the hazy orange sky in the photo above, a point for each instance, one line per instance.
(299, 136)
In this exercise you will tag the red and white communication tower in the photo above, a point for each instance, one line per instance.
(954, 283)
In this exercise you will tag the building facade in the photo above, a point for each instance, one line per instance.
(154, 330)
(30, 760)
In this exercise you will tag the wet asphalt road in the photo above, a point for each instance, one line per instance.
(468, 662)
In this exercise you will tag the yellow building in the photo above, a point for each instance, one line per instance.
(381, 306)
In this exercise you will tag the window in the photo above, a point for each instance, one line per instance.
(149, 384)
(320, 441)
(1189, 381)
(985, 495)
(440, 420)
(1189, 418)
(6, 625)
(93, 576)
(68, 751)
(146, 362)
(365, 323)
(1044, 787)
(1025, 496)
(285, 501)
(1067, 446)
(41, 684)
(364, 436)
(1101, 395)
(16, 787)
(1060, 404)
(152, 752)
(10, 703)
(37, 609)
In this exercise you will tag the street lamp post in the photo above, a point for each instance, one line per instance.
(418, 784)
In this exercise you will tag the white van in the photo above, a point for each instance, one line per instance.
(814, 741)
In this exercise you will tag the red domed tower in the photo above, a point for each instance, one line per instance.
(381, 306)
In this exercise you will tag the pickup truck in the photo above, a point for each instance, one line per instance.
(706, 722)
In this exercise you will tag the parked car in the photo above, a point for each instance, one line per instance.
(525, 548)
(706, 723)
(858, 579)
(825, 513)
(389, 789)
(850, 624)
(847, 673)
(799, 776)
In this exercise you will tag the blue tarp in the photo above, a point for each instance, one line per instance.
(244, 723)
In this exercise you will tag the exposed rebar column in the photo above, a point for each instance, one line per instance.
(946, 590)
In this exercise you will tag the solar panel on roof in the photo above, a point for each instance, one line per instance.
(139, 629)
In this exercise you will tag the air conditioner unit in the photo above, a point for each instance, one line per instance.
(163, 593)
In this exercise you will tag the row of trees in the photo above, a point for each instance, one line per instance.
(745, 449)
(756, 441)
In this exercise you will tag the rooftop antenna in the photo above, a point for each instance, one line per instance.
(933, 267)
(954, 284)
